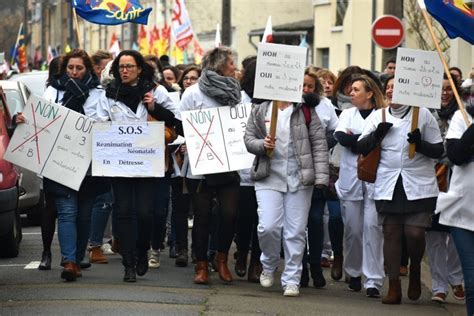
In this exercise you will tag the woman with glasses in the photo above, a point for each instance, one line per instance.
(129, 98)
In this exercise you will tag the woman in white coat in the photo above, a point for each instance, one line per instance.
(129, 98)
(456, 206)
(405, 189)
(362, 234)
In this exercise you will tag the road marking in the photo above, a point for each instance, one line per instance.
(388, 32)
(32, 265)
(11, 265)
(32, 233)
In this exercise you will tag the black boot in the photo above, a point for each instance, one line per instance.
(130, 275)
(304, 281)
(45, 263)
(317, 274)
(142, 265)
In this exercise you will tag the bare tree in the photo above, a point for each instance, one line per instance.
(417, 26)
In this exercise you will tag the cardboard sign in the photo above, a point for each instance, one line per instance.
(54, 142)
(215, 139)
(280, 72)
(128, 149)
(418, 78)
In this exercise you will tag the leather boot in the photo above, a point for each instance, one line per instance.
(130, 274)
(394, 294)
(69, 272)
(336, 270)
(78, 271)
(241, 264)
(182, 258)
(96, 255)
(255, 269)
(414, 287)
(201, 270)
(221, 264)
(317, 275)
(45, 263)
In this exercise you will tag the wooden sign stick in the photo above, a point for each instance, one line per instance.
(414, 125)
(273, 124)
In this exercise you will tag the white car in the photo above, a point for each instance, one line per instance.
(35, 81)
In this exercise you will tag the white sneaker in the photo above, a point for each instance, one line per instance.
(190, 223)
(266, 279)
(291, 290)
(107, 249)
(154, 259)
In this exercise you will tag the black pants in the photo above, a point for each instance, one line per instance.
(160, 211)
(228, 199)
(247, 222)
(181, 203)
(134, 200)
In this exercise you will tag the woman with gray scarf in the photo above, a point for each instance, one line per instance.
(216, 87)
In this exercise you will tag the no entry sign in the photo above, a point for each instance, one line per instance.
(388, 32)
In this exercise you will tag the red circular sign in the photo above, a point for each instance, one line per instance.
(388, 32)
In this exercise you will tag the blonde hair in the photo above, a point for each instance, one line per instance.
(326, 74)
(369, 84)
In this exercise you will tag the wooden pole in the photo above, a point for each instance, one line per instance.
(445, 65)
(76, 25)
(414, 125)
(273, 124)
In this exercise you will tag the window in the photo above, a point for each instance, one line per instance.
(323, 57)
(341, 8)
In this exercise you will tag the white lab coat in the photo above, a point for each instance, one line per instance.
(457, 205)
(90, 106)
(348, 186)
(116, 111)
(418, 174)
(326, 114)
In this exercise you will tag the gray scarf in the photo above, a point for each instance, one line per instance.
(398, 113)
(225, 90)
(343, 101)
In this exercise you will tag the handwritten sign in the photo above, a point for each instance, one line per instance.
(280, 72)
(54, 142)
(215, 139)
(128, 150)
(418, 78)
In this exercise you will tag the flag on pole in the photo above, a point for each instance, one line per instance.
(218, 41)
(304, 42)
(456, 17)
(19, 51)
(155, 41)
(143, 44)
(165, 39)
(267, 34)
(114, 47)
(181, 25)
(198, 51)
(112, 12)
(51, 53)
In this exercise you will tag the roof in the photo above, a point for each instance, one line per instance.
(304, 25)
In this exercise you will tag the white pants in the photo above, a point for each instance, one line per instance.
(444, 261)
(285, 213)
(363, 241)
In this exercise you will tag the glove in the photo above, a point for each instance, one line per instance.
(414, 137)
(467, 138)
(311, 99)
(382, 130)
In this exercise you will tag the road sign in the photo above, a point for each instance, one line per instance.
(388, 32)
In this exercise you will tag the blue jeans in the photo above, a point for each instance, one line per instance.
(464, 241)
(315, 227)
(100, 216)
(74, 220)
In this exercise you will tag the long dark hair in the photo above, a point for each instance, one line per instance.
(147, 70)
(247, 82)
(53, 70)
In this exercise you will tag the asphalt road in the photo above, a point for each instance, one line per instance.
(169, 290)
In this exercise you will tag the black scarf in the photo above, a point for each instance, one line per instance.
(445, 113)
(76, 91)
(127, 94)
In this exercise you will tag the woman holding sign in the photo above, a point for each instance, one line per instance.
(284, 184)
(216, 87)
(76, 88)
(405, 189)
(129, 98)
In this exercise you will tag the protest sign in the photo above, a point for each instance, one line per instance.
(215, 139)
(280, 72)
(132, 149)
(54, 142)
(418, 78)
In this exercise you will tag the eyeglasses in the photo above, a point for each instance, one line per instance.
(190, 78)
(127, 66)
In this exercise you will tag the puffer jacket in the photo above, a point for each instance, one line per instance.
(309, 144)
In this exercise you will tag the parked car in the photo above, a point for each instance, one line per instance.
(10, 225)
(35, 81)
(32, 199)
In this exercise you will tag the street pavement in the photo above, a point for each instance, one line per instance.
(169, 290)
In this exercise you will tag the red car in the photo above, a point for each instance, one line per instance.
(10, 225)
